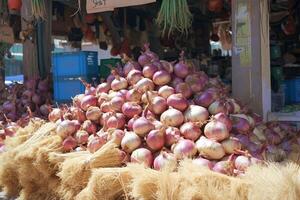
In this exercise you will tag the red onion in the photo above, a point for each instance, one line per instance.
(156, 139)
(134, 95)
(65, 128)
(142, 156)
(196, 113)
(31, 84)
(161, 77)
(104, 118)
(158, 105)
(117, 103)
(130, 109)
(221, 117)
(77, 100)
(119, 83)
(11, 130)
(69, 143)
(181, 69)
(102, 88)
(45, 110)
(82, 137)
(272, 137)
(95, 144)
(54, 115)
(165, 91)
(175, 81)
(130, 122)
(172, 117)
(177, 101)
(37, 99)
(106, 107)
(149, 70)
(27, 94)
(151, 95)
(145, 84)
(196, 82)
(218, 106)
(209, 148)
(77, 124)
(88, 101)
(202, 162)
(116, 121)
(130, 142)
(224, 167)
(8, 106)
(167, 66)
(43, 85)
(78, 114)
(183, 89)
(172, 136)
(142, 126)
(89, 127)
(184, 148)
(190, 131)
(242, 162)
(134, 76)
(231, 144)
(163, 159)
(216, 130)
(240, 124)
(130, 66)
(93, 113)
(235, 105)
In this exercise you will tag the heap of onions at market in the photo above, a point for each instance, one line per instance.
(159, 112)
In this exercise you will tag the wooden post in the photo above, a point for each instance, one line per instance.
(30, 60)
(250, 58)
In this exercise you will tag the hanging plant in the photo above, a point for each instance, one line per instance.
(38, 9)
(174, 16)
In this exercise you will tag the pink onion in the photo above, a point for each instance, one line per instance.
(116, 121)
(106, 107)
(134, 95)
(241, 125)
(31, 83)
(54, 115)
(37, 99)
(77, 100)
(181, 69)
(221, 117)
(156, 139)
(242, 162)
(210, 149)
(216, 130)
(158, 105)
(206, 98)
(202, 162)
(119, 83)
(89, 127)
(231, 144)
(151, 95)
(82, 137)
(190, 131)
(272, 137)
(142, 126)
(130, 123)
(196, 113)
(130, 142)
(130, 66)
(104, 118)
(161, 77)
(102, 88)
(177, 101)
(172, 117)
(224, 167)
(117, 103)
(93, 113)
(145, 84)
(134, 76)
(142, 156)
(149, 70)
(196, 82)
(165, 91)
(45, 109)
(175, 81)
(130, 109)
(218, 106)
(183, 89)
(65, 128)
(69, 143)
(172, 136)
(95, 144)
(116, 135)
(168, 66)
(184, 148)
(88, 101)
(163, 159)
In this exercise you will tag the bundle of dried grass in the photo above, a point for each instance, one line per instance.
(274, 182)
(75, 171)
(107, 184)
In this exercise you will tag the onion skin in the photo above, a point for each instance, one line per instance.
(103, 88)
(184, 89)
(172, 136)
(241, 125)
(69, 143)
(93, 113)
(216, 130)
(221, 117)
(223, 167)
(196, 82)
(181, 69)
(162, 160)
(119, 83)
(151, 95)
(133, 95)
(116, 136)
(184, 148)
(89, 127)
(165, 91)
(210, 149)
(142, 156)
(177, 101)
(242, 163)
(142, 126)
(117, 103)
(172, 117)
(205, 99)
(190, 131)
(88, 101)
(55, 115)
(161, 78)
(134, 76)
(155, 139)
(196, 113)
(231, 144)
(116, 121)
(217, 107)
(65, 128)
(130, 142)
(145, 84)
(158, 105)
(130, 109)
(149, 70)
(202, 162)
(82, 137)
(95, 144)
(167, 66)
(130, 66)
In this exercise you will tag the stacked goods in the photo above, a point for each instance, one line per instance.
(157, 112)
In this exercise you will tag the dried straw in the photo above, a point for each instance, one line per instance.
(75, 171)
(274, 182)
(107, 184)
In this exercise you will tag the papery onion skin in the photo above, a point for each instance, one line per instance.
(196, 113)
(155, 139)
(142, 126)
(184, 89)
(88, 101)
(134, 76)
(202, 162)
(158, 105)
(184, 148)
(95, 144)
(216, 130)
(93, 113)
(221, 117)
(210, 149)
(177, 101)
(145, 84)
(231, 144)
(172, 117)
(161, 77)
(69, 143)
(190, 131)
(165, 91)
(142, 156)
(163, 159)
(130, 109)
(130, 142)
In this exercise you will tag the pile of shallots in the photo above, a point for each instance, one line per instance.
(159, 112)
